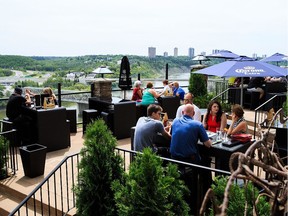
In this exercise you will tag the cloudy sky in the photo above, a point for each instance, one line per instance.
(75, 28)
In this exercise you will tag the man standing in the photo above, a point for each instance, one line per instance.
(188, 99)
(147, 129)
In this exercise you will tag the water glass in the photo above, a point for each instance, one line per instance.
(218, 132)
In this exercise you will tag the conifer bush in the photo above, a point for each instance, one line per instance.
(241, 199)
(151, 189)
(99, 167)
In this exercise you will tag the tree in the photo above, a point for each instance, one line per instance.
(151, 189)
(99, 166)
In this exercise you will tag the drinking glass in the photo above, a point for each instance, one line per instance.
(218, 132)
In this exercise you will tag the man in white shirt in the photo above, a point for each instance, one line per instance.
(188, 99)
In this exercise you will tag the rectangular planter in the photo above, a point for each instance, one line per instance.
(33, 159)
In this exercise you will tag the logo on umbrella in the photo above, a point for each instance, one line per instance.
(249, 70)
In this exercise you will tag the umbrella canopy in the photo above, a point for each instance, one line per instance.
(243, 67)
(125, 81)
(102, 70)
(226, 54)
(277, 57)
(200, 58)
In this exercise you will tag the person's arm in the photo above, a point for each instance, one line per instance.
(223, 122)
(139, 92)
(203, 122)
(154, 93)
(208, 143)
(166, 134)
(240, 127)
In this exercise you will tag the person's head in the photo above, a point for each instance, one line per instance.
(238, 111)
(165, 82)
(176, 84)
(154, 111)
(149, 85)
(214, 108)
(188, 98)
(18, 90)
(137, 84)
(188, 110)
(48, 90)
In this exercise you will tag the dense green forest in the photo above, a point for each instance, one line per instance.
(147, 67)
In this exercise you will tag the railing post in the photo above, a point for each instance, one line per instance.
(166, 74)
(92, 87)
(59, 94)
(138, 76)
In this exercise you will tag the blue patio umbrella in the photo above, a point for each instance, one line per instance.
(277, 57)
(225, 54)
(243, 67)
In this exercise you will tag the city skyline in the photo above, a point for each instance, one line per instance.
(73, 28)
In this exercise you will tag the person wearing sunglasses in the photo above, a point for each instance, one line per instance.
(147, 129)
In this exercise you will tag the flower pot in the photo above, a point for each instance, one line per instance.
(33, 159)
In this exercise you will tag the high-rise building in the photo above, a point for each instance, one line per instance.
(151, 52)
(214, 51)
(254, 55)
(203, 53)
(175, 52)
(165, 54)
(191, 52)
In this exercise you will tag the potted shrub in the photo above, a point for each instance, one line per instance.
(99, 166)
(3, 157)
(150, 188)
(241, 199)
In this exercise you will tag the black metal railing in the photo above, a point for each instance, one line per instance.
(261, 111)
(55, 195)
(9, 156)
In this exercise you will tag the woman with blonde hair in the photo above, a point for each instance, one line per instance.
(48, 90)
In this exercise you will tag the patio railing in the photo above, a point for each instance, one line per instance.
(55, 195)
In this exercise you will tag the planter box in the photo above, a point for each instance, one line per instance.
(33, 159)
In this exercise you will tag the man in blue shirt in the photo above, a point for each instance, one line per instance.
(178, 91)
(185, 135)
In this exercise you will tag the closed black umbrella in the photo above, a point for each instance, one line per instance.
(125, 82)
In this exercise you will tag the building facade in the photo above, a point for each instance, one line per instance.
(151, 52)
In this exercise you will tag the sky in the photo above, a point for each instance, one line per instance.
(129, 27)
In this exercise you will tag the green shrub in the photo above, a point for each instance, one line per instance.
(238, 196)
(3, 156)
(99, 166)
(197, 85)
(151, 189)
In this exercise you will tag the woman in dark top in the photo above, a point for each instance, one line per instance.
(255, 85)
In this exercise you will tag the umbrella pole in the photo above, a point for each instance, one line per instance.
(241, 98)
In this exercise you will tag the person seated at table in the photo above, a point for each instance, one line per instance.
(48, 90)
(185, 135)
(277, 79)
(188, 99)
(147, 129)
(137, 91)
(28, 95)
(15, 111)
(149, 95)
(238, 125)
(237, 82)
(255, 85)
(178, 91)
(214, 117)
(167, 90)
